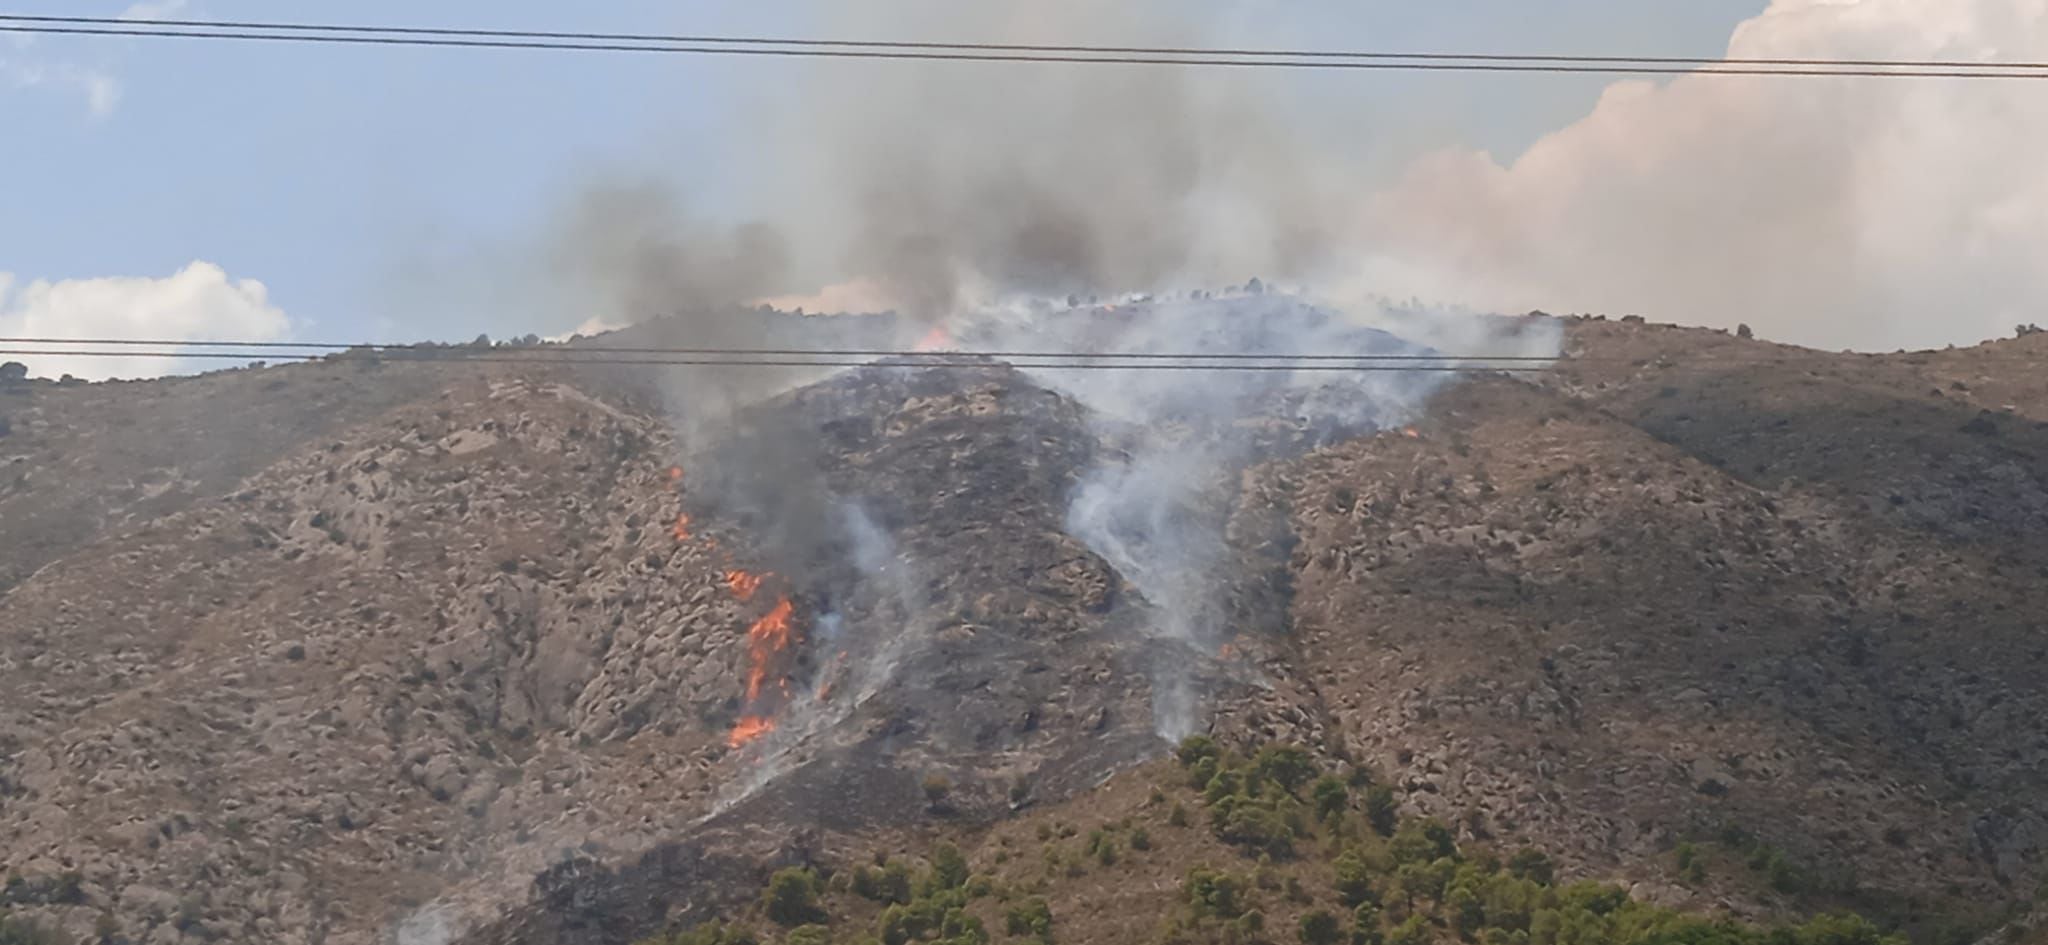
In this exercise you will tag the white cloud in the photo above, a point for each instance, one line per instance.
(29, 66)
(1871, 213)
(100, 89)
(198, 302)
(153, 9)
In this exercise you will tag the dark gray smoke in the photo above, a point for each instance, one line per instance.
(952, 183)
(948, 192)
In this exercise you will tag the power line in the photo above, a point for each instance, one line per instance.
(580, 353)
(1003, 53)
(954, 361)
(1012, 47)
(577, 350)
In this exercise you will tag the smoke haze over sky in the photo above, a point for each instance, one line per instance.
(430, 192)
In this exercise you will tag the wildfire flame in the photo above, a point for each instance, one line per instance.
(1411, 433)
(675, 474)
(682, 526)
(826, 679)
(742, 584)
(767, 637)
(749, 728)
(1227, 652)
(938, 339)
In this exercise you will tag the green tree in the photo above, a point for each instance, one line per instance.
(1330, 796)
(1354, 880)
(1422, 841)
(1365, 924)
(1531, 865)
(1319, 927)
(1414, 931)
(1381, 810)
(792, 897)
(1284, 765)
(949, 868)
(1465, 910)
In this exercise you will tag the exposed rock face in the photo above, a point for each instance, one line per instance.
(438, 656)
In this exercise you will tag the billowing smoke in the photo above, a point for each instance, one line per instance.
(1157, 506)
(953, 183)
(940, 189)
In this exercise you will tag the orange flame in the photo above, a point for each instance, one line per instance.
(742, 584)
(1226, 651)
(938, 339)
(767, 637)
(826, 679)
(675, 474)
(682, 526)
(749, 728)
(1411, 433)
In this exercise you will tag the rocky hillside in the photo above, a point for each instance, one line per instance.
(369, 651)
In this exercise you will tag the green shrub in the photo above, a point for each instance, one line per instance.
(1140, 839)
(1228, 782)
(1196, 748)
(1033, 918)
(792, 897)
(1214, 894)
(1257, 828)
(936, 788)
(1178, 816)
(808, 935)
(887, 885)
(1319, 928)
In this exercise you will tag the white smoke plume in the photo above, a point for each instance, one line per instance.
(1156, 504)
(1835, 212)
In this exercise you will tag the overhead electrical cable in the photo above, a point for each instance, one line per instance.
(954, 360)
(1008, 52)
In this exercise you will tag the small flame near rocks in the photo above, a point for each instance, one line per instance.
(768, 639)
(742, 584)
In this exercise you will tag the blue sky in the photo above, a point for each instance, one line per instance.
(327, 172)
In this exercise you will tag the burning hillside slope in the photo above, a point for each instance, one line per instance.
(483, 662)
